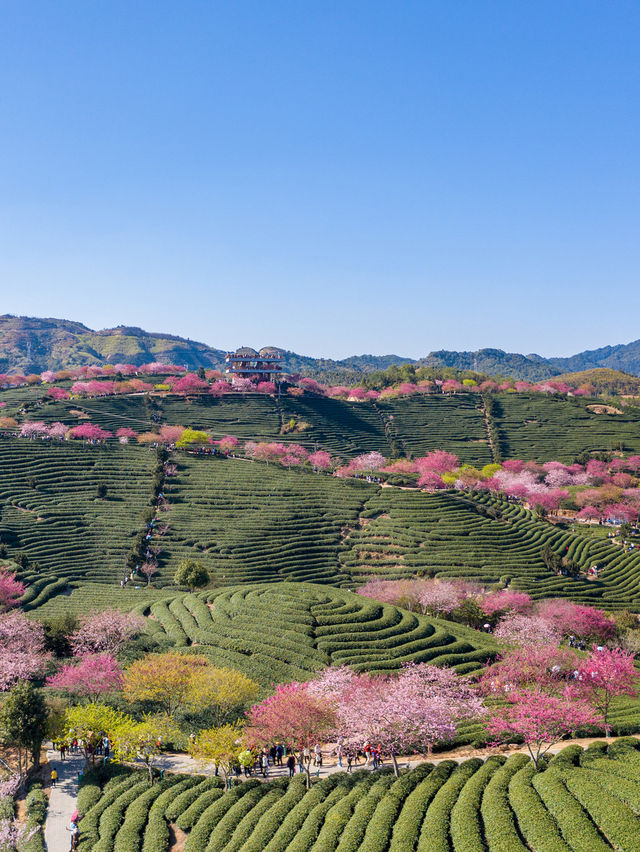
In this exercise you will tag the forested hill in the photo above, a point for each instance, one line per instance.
(33, 344)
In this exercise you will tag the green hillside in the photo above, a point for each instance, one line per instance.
(251, 522)
(51, 512)
(528, 426)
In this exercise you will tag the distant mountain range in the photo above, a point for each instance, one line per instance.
(32, 344)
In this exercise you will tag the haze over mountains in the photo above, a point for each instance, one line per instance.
(33, 344)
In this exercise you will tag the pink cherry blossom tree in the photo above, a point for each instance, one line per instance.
(321, 460)
(189, 384)
(540, 719)
(439, 597)
(125, 434)
(170, 434)
(149, 568)
(431, 481)
(294, 716)
(22, 649)
(33, 429)
(57, 393)
(89, 432)
(517, 629)
(545, 667)
(437, 461)
(568, 618)
(220, 388)
(391, 591)
(412, 710)
(589, 513)
(603, 675)
(89, 677)
(58, 430)
(106, 631)
(289, 460)
(368, 462)
(11, 590)
(269, 452)
(227, 444)
(506, 600)
(14, 834)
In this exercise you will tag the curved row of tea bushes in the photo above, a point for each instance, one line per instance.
(485, 538)
(440, 422)
(288, 631)
(538, 427)
(527, 425)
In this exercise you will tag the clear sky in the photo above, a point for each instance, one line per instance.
(330, 176)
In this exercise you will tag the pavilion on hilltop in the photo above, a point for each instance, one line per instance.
(262, 366)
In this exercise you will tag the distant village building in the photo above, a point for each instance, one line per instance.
(262, 366)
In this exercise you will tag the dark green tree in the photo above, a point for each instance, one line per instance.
(57, 634)
(551, 559)
(192, 574)
(23, 722)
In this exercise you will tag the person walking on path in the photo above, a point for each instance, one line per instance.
(291, 765)
(54, 777)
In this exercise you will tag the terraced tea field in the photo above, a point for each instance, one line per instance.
(251, 522)
(247, 521)
(51, 512)
(533, 426)
(449, 534)
(287, 631)
(582, 801)
(107, 412)
(453, 423)
(529, 426)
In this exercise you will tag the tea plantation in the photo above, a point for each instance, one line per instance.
(581, 801)
(533, 426)
(528, 426)
(402, 533)
(247, 521)
(252, 522)
(287, 631)
(52, 514)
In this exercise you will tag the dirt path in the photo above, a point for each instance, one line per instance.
(177, 838)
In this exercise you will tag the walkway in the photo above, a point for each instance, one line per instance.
(180, 762)
(177, 762)
(62, 800)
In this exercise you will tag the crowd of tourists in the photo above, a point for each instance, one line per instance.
(251, 763)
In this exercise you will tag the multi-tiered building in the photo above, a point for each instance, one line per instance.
(262, 366)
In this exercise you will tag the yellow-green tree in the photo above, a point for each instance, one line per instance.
(192, 574)
(141, 742)
(221, 745)
(192, 436)
(89, 722)
(166, 679)
(132, 741)
(221, 692)
(189, 682)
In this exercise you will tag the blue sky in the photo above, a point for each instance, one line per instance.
(333, 177)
